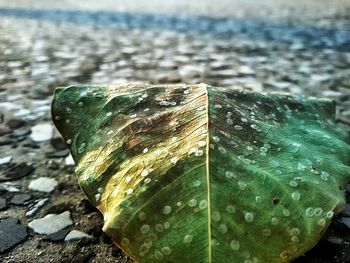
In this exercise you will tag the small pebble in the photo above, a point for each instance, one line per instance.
(43, 184)
(42, 132)
(51, 223)
(76, 235)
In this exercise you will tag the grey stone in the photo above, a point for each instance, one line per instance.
(20, 199)
(16, 172)
(15, 123)
(11, 233)
(43, 184)
(335, 240)
(51, 223)
(346, 210)
(346, 221)
(57, 236)
(3, 204)
(57, 154)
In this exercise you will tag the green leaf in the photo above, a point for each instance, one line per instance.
(203, 174)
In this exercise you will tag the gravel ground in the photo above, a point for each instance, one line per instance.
(302, 48)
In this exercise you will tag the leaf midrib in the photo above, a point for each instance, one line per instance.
(207, 174)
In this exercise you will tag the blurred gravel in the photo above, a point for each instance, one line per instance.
(302, 48)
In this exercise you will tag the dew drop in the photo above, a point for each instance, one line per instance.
(216, 138)
(274, 221)
(125, 241)
(295, 239)
(144, 172)
(159, 227)
(230, 208)
(158, 255)
(321, 222)
(147, 180)
(229, 175)
(216, 216)
(128, 179)
(249, 217)
(266, 232)
(188, 239)
(81, 148)
(238, 127)
(242, 185)
(69, 141)
(198, 153)
(166, 251)
(174, 160)
(166, 225)
(201, 143)
(192, 203)
(203, 204)
(235, 245)
(310, 212)
(286, 212)
(223, 228)
(258, 199)
(329, 214)
(296, 196)
(294, 231)
(145, 150)
(318, 211)
(167, 209)
(142, 216)
(196, 183)
(145, 229)
(222, 149)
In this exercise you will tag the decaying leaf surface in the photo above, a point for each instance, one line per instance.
(202, 174)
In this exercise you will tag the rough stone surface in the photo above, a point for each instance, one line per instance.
(16, 172)
(20, 199)
(5, 160)
(11, 233)
(76, 235)
(3, 203)
(42, 132)
(43, 184)
(51, 223)
(346, 221)
(57, 236)
(346, 211)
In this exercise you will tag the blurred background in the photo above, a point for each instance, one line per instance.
(301, 47)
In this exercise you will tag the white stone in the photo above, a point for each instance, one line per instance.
(246, 70)
(43, 184)
(69, 160)
(10, 187)
(5, 160)
(51, 223)
(36, 207)
(42, 132)
(332, 93)
(76, 235)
